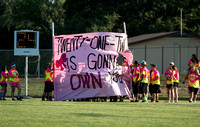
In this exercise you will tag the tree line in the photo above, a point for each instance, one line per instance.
(78, 16)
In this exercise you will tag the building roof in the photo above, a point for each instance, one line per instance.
(153, 36)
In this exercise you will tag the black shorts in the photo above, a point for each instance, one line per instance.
(48, 86)
(135, 87)
(175, 84)
(156, 88)
(169, 86)
(192, 89)
(143, 88)
(150, 88)
(3, 84)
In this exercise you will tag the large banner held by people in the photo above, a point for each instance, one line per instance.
(85, 65)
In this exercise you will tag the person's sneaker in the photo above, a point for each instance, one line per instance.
(19, 98)
(190, 101)
(194, 101)
(176, 101)
(157, 101)
(13, 99)
(151, 99)
(144, 101)
(131, 100)
(136, 100)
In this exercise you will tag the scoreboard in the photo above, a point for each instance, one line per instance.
(26, 43)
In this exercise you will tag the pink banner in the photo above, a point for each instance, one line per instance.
(86, 66)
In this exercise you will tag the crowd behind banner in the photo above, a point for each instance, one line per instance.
(142, 79)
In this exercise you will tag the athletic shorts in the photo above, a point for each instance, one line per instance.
(169, 86)
(48, 86)
(14, 84)
(192, 89)
(143, 88)
(135, 87)
(175, 84)
(156, 88)
(3, 84)
(150, 88)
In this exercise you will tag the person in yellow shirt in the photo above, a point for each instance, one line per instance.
(155, 81)
(48, 84)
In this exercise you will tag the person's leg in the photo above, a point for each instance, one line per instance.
(157, 97)
(43, 96)
(191, 96)
(50, 96)
(176, 94)
(12, 92)
(3, 92)
(195, 98)
(169, 95)
(172, 95)
(154, 97)
(19, 91)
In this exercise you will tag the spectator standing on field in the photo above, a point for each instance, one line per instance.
(144, 80)
(176, 82)
(48, 84)
(155, 81)
(193, 84)
(14, 82)
(136, 79)
(3, 82)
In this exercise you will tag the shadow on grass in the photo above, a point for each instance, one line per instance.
(96, 115)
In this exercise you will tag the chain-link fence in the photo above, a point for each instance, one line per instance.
(163, 55)
(36, 64)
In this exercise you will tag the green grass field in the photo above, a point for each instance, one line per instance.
(33, 112)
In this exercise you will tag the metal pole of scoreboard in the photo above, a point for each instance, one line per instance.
(26, 77)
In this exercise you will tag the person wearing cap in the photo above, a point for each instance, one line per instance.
(170, 66)
(155, 81)
(144, 79)
(3, 82)
(136, 79)
(14, 82)
(169, 84)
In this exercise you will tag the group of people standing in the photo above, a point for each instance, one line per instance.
(143, 78)
(14, 82)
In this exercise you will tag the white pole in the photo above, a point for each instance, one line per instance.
(26, 77)
(39, 65)
(124, 27)
(181, 24)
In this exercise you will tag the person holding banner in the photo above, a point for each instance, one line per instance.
(48, 84)
(155, 80)
(193, 84)
(144, 81)
(136, 79)
(14, 82)
(3, 82)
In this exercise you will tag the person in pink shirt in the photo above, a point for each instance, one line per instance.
(3, 82)
(175, 82)
(136, 79)
(14, 82)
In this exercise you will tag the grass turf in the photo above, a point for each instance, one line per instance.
(34, 112)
